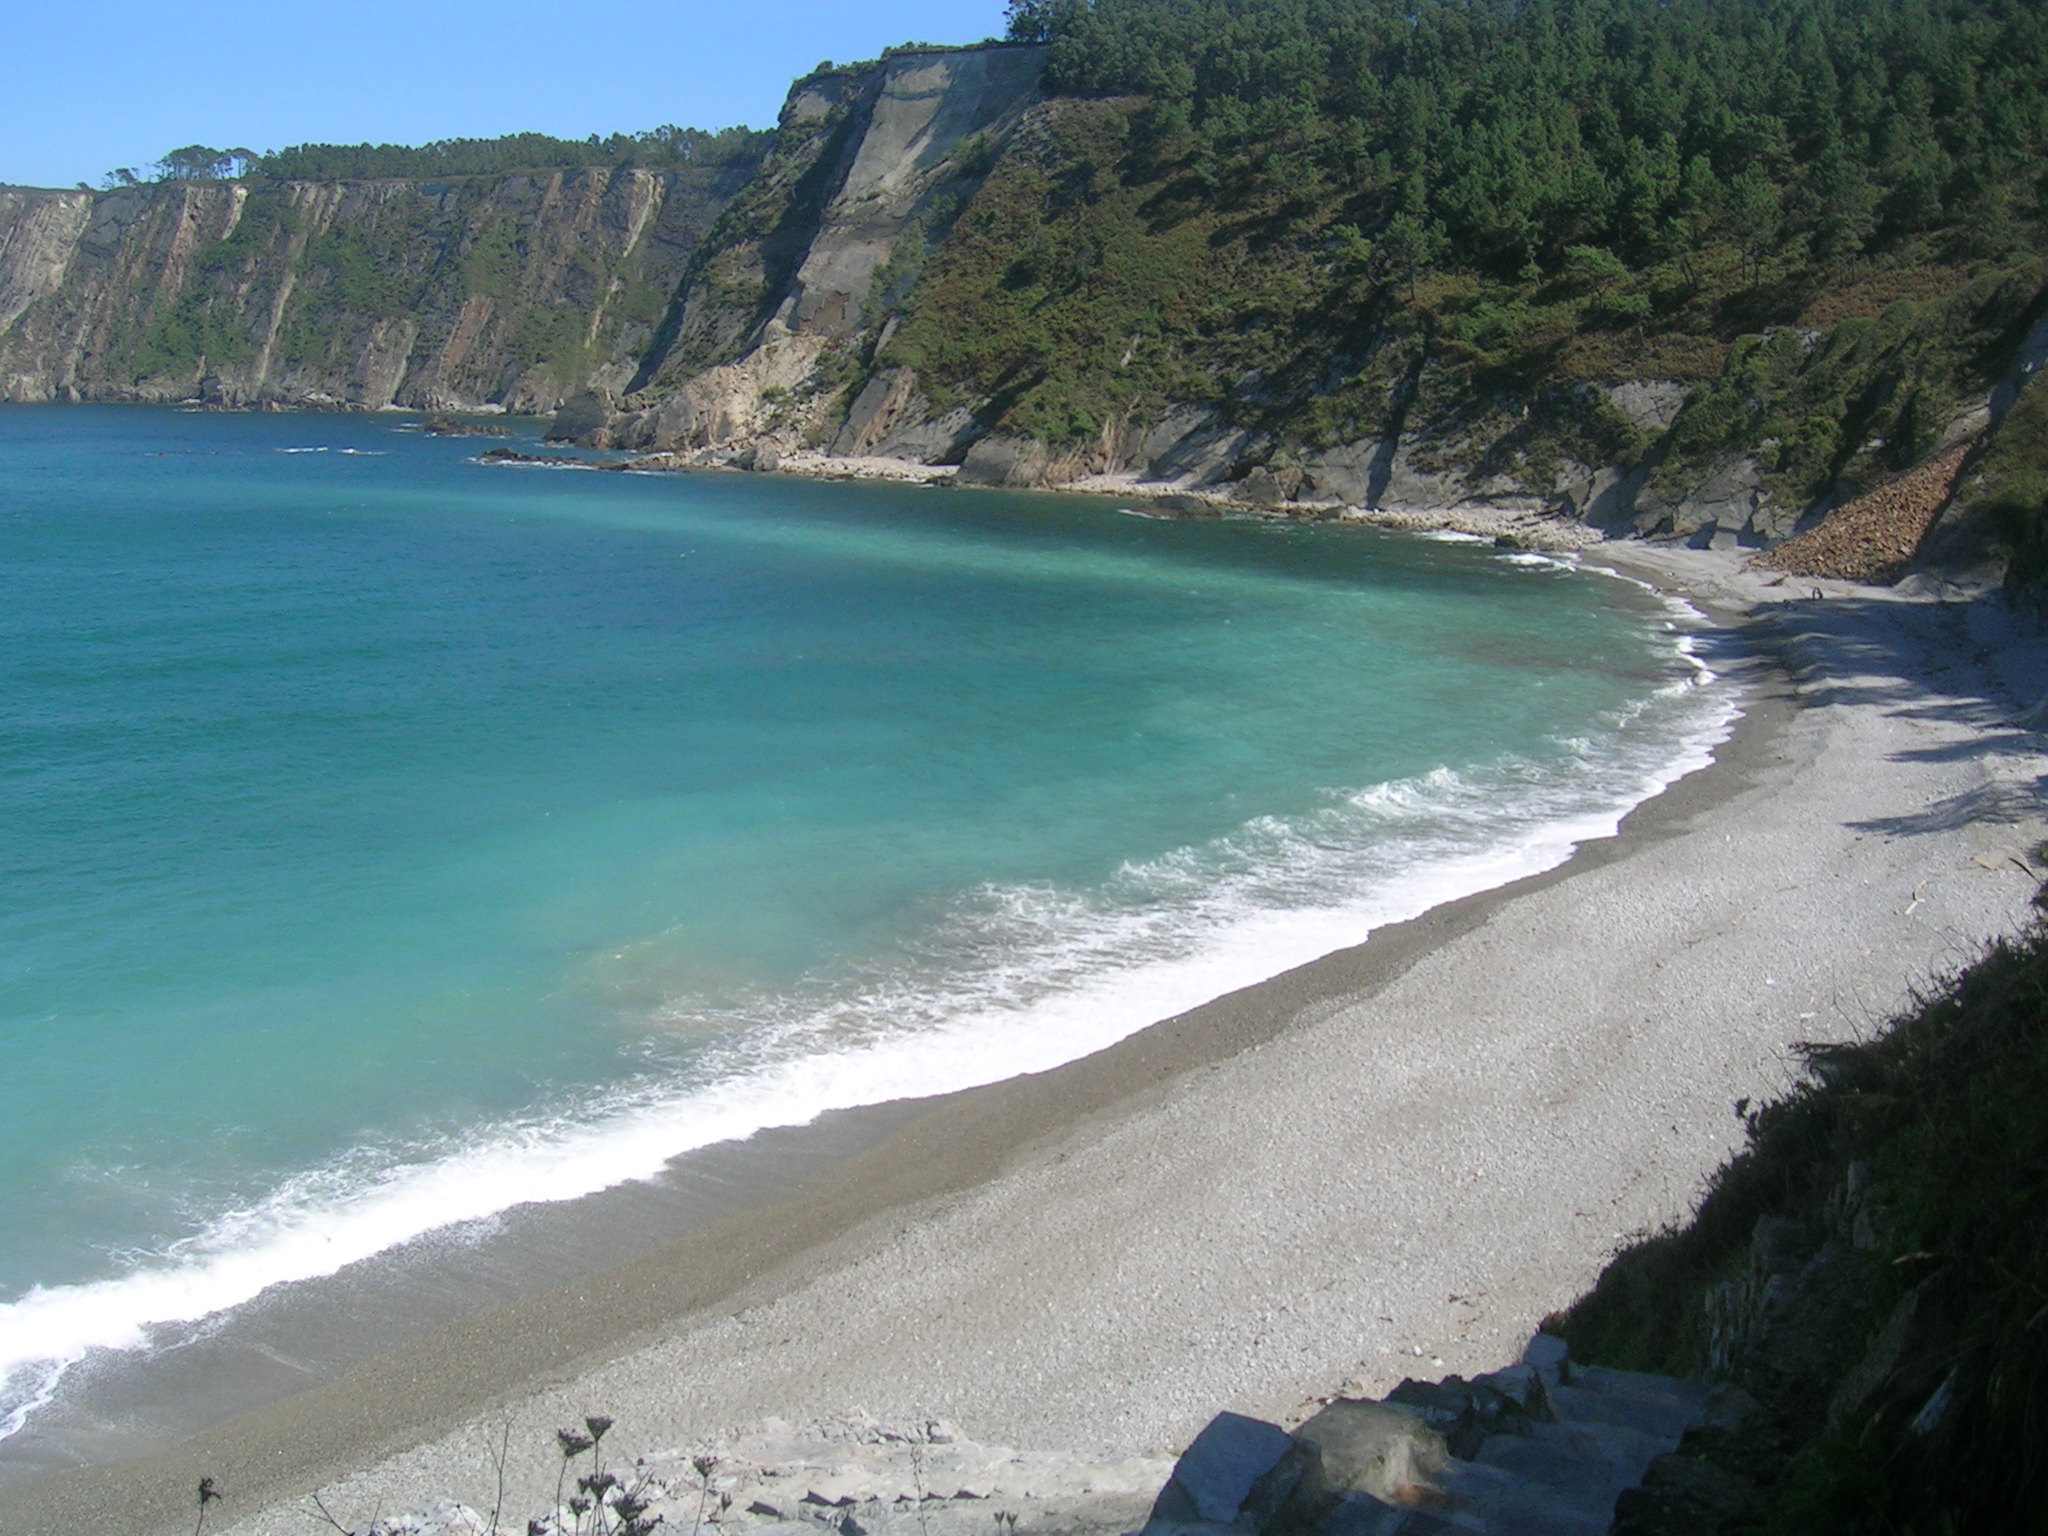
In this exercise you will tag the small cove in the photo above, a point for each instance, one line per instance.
(396, 840)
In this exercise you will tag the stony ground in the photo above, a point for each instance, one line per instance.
(849, 1475)
(1873, 538)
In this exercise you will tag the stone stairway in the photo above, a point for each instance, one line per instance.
(1544, 1448)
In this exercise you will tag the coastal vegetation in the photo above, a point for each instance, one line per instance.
(665, 148)
(1874, 1268)
(1824, 217)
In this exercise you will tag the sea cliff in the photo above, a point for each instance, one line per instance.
(459, 294)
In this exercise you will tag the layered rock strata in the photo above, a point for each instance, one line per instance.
(510, 292)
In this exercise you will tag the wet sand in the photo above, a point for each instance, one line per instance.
(1403, 1154)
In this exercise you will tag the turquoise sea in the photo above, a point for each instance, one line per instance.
(388, 839)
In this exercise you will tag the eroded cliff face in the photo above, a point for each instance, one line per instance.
(511, 291)
(939, 264)
(776, 328)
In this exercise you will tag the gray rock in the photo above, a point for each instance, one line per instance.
(865, 418)
(837, 1488)
(890, 417)
(1268, 487)
(1184, 506)
(1179, 425)
(1727, 500)
(1204, 454)
(936, 440)
(1345, 473)
(1650, 405)
(1879, 1361)
(1216, 1474)
(1606, 498)
(923, 107)
(1005, 461)
(1408, 484)
(1379, 1449)
(579, 418)
(2032, 357)
(1463, 1412)
(1801, 1317)
(1935, 1409)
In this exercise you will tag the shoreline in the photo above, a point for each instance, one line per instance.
(1515, 527)
(855, 1263)
(1519, 528)
(285, 1326)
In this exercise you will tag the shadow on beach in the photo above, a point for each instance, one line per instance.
(1977, 664)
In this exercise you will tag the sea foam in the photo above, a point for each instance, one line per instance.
(1013, 980)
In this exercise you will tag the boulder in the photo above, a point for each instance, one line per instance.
(1385, 1450)
(1650, 405)
(1408, 484)
(1215, 1476)
(884, 400)
(1606, 498)
(580, 417)
(1800, 1319)
(928, 440)
(1463, 1412)
(1268, 487)
(1725, 503)
(1178, 505)
(1015, 462)
(1346, 473)
(1204, 451)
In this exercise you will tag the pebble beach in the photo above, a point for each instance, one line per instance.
(1396, 1159)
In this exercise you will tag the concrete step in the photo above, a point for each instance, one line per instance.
(1492, 1498)
(1667, 1410)
(1571, 1450)
(1662, 1417)
(1527, 1477)
(1607, 1380)
(1588, 1481)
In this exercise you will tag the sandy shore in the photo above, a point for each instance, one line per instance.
(1393, 1161)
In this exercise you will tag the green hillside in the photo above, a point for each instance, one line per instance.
(1824, 216)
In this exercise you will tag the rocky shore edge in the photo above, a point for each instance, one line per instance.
(1507, 526)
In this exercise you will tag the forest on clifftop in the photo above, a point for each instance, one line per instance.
(1823, 217)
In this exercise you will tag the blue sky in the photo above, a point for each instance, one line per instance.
(96, 84)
